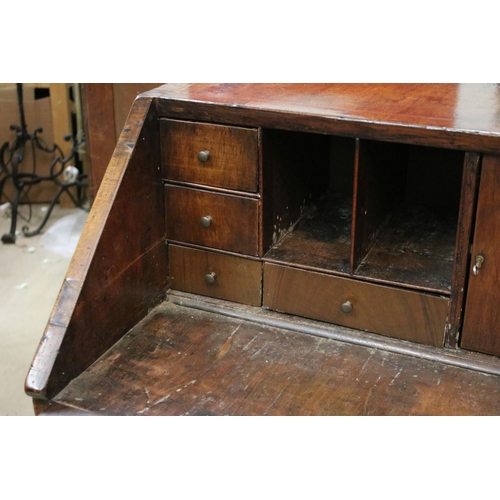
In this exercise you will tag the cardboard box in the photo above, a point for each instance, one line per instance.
(37, 111)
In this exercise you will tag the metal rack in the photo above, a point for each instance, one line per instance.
(61, 173)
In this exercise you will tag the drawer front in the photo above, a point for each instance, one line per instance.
(215, 275)
(389, 311)
(233, 154)
(213, 220)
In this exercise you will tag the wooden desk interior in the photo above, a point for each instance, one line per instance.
(260, 249)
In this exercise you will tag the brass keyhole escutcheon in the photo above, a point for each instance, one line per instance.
(346, 307)
(204, 156)
(478, 264)
(210, 278)
(206, 221)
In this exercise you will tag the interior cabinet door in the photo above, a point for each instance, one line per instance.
(481, 330)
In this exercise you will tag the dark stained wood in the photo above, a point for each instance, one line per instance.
(295, 173)
(434, 178)
(233, 162)
(119, 270)
(236, 278)
(380, 176)
(461, 116)
(468, 200)
(322, 238)
(416, 248)
(180, 361)
(406, 207)
(481, 329)
(401, 314)
(234, 225)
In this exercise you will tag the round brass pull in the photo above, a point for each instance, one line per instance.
(206, 221)
(204, 156)
(210, 278)
(346, 307)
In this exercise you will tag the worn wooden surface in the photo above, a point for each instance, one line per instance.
(119, 269)
(397, 313)
(461, 116)
(233, 161)
(180, 361)
(405, 222)
(322, 238)
(234, 226)
(416, 248)
(236, 278)
(481, 329)
(380, 174)
(295, 170)
(52, 409)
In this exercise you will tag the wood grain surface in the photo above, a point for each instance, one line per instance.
(481, 330)
(98, 354)
(119, 269)
(322, 238)
(233, 161)
(235, 219)
(235, 278)
(389, 311)
(180, 361)
(461, 116)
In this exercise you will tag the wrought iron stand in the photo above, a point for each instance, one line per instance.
(11, 158)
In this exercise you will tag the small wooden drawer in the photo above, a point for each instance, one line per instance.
(213, 220)
(380, 309)
(216, 275)
(212, 155)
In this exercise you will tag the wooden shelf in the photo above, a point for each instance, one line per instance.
(416, 248)
(321, 239)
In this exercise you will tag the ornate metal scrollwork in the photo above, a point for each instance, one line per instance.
(11, 158)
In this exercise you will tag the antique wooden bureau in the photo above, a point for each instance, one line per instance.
(265, 249)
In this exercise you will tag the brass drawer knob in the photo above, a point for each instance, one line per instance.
(210, 278)
(204, 156)
(206, 221)
(346, 307)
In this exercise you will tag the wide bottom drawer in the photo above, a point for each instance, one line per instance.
(380, 309)
(216, 275)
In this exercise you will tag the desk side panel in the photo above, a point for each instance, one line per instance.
(119, 270)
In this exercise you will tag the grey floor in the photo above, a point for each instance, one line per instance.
(31, 273)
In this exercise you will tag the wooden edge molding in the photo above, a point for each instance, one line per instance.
(470, 360)
(337, 125)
